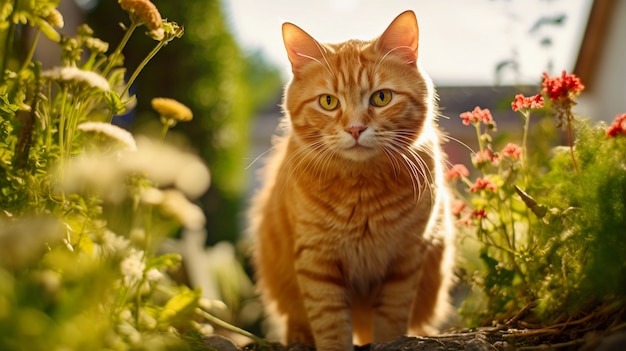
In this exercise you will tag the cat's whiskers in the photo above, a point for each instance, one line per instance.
(413, 148)
(296, 160)
(310, 156)
(393, 162)
(259, 157)
(448, 137)
(404, 144)
(320, 163)
(396, 150)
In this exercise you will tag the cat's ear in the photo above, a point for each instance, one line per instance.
(401, 38)
(301, 47)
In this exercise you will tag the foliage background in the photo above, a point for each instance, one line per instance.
(223, 85)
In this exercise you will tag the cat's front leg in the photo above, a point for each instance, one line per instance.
(323, 291)
(393, 309)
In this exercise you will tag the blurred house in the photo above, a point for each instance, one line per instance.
(601, 63)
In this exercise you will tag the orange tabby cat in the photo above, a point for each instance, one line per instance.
(353, 233)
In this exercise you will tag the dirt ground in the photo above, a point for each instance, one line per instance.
(486, 339)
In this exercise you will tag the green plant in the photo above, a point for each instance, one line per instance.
(85, 204)
(548, 231)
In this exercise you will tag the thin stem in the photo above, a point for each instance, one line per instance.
(142, 65)
(31, 52)
(526, 115)
(220, 323)
(137, 71)
(570, 137)
(120, 47)
(47, 116)
(62, 123)
(8, 43)
(166, 127)
(481, 147)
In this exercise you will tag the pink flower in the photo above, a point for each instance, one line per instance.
(475, 214)
(512, 150)
(564, 87)
(457, 207)
(456, 171)
(485, 156)
(476, 116)
(618, 126)
(522, 102)
(482, 183)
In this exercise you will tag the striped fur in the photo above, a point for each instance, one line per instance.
(354, 238)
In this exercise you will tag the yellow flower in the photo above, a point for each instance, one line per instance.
(147, 13)
(96, 45)
(55, 18)
(171, 109)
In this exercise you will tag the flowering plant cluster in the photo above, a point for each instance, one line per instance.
(85, 205)
(543, 224)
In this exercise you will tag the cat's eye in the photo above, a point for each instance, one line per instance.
(328, 102)
(381, 97)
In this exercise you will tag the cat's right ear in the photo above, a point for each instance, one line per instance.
(301, 47)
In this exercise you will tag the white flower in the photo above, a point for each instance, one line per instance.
(154, 275)
(96, 45)
(146, 321)
(95, 173)
(77, 75)
(132, 267)
(112, 244)
(209, 304)
(151, 196)
(137, 235)
(130, 332)
(175, 204)
(126, 315)
(110, 131)
(203, 328)
(168, 166)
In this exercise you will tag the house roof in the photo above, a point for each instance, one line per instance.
(593, 40)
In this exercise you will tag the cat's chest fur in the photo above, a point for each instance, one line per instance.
(366, 215)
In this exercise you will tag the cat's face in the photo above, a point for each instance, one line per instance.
(358, 99)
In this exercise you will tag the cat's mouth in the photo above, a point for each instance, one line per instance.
(358, 152)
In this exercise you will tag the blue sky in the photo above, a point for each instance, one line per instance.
(461, 41)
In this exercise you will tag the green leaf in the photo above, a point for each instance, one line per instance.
(180, 308)
(170, 260)
(6, 107)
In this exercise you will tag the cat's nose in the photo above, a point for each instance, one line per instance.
(356, 131)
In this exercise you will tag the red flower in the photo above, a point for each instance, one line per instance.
(479, 213)
(618, 126)
(476, 116)
(512, 150)
(483, 184)
(522, 102)
(456, 171)
(564, 87)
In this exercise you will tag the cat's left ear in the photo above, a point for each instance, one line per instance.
(301, 47)
(401, 38)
